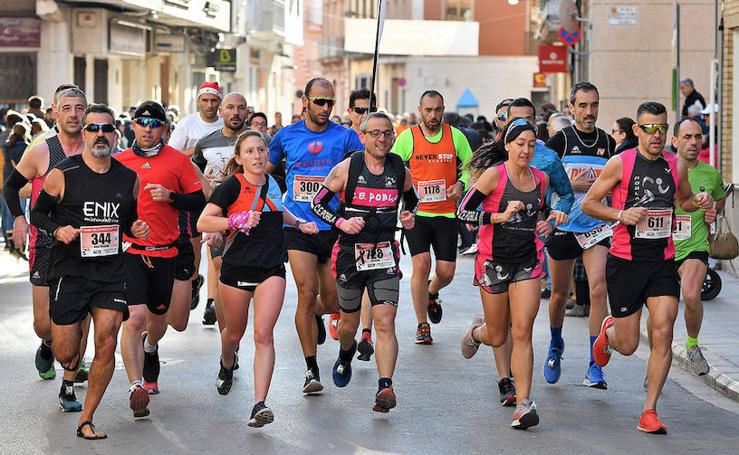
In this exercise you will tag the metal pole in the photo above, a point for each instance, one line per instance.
(376, 57)
(676, 67)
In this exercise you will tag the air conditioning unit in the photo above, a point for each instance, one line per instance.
(89, 31)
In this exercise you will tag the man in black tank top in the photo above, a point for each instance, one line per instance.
(366, 254)
(87, 203)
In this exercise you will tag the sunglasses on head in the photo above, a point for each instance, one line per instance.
(651, 128)
(148, 121)
(503, 116)
(95, 127)
(321, 101)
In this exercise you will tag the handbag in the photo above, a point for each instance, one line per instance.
(724, 244)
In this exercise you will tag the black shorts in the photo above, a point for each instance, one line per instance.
(438, 232)
(150, 281)
(382, 291)
(495, 277)
(248, 278)
(563, 246)
(185, 267)
(39, 259)
(71, 298)
(319, 245)
(344, 268)
(631, 283)
(700, 255)
(217, 251)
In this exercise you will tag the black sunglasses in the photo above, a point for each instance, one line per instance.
(95, 127)
(322, 101)
(148, 121)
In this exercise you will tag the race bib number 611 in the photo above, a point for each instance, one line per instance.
(656, 225)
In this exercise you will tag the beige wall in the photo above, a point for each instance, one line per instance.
(632, 64)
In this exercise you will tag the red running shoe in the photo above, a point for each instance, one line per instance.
(385, 400)
(333, 325)
(650, 423)
(138, 400)
(601, 350)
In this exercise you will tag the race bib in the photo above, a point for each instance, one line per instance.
(305, 187)
(597, 235)
(370, 256)
(432, 190)
(656, 225)
(683, 227)
(98, 241)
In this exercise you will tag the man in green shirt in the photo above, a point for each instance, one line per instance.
(691, 235)
(435, 153)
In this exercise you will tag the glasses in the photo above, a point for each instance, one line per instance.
(651, 128)
(375, 134)
(95, 127)
(503, 116)
(148, 121)
(616, 131)
(322, 101)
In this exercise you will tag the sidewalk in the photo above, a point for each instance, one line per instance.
(10, 267)
(719, 337)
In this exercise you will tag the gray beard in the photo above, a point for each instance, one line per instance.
(98, 152)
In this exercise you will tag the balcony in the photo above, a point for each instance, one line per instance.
(265, 19)
(331, 47)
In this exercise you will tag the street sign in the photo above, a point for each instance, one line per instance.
(552, 59)
(20, 32)
(223, 60)
(569, 38)
(622, 15)
(169, 42)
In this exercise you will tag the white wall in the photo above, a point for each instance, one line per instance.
(54, 58)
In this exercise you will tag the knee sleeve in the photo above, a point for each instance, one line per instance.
(350, 300)
(384, 292)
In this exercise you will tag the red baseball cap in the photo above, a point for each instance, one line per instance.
(210, 88)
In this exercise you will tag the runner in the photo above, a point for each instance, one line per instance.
(212, 152)
(647, 185)
(366, 255)
(434, 152)
(311, 147)
(510, 258)
(86, 203)
(691, 235)
(35, 165)
(248, 204)
(184, 138)
(584, 150)
(168, 183)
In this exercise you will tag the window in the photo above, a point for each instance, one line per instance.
(458, 10)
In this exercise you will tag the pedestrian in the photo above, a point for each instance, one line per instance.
(36, 106)
(623, 134)
(278, 124)
(692, 97)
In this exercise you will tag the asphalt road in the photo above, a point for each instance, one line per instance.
(446, 404)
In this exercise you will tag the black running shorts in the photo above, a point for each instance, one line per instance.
(185, 259)
(631, 283)
(72, 298)
(699, 255)
(319, 245)
(563, 246)
(437, 232)
(248, 278)
(150, 281)
(39, 259)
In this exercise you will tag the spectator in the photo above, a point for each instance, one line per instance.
(623, 134)
(557, 122)
(38, 126)
(35, 106)
(128, 131)
(692, 97)
(49, 117)
(13, 145)
(278, 123)
(296, 118)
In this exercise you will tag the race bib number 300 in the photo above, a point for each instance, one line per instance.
(432, 190)
(98, 241)
(683, 227)
(370, 256)
(656, 225)
(305, 187)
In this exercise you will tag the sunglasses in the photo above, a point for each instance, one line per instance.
(651, 128)
(375, 134)
(503, 116)
(322, 101)
(148, 121)
(95, 127)
(616, 131)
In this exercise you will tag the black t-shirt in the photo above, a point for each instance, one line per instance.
(558, 141)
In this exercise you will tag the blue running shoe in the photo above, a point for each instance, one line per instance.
(552, 365)
(67, 401)
(595, 378)
(342, 371)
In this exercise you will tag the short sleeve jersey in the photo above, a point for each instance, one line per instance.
(703, 179)
(212, 152)
(172, 170)
(190, 129)
(309, 157)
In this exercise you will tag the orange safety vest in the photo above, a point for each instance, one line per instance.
(434, 168)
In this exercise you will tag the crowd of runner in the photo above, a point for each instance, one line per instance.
(119, 212)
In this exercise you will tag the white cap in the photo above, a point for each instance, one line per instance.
(711, 107)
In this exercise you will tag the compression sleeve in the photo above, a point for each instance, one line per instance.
(561, 185)
(191, 202)
(40, 218)
(320, 207)
(13, 186)
(131, 217)
(468, 212)
(410, 200)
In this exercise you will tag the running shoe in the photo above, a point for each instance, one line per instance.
(570, 303)
(595, 378)
(525, 415)
(333, 325)
(601, 350)
(236, 360)
(321, 330)
(138, 400)
(82, 373)
(197, 283)
(225, 379)
(578, 311)
(67, 400)
(546, 293)
(507, 392)
(650, 423)
(261, 415)
(44, 361)
(469, 346)
(342, 371)
(423, 334)
(385, 400)
(209, 315)
(151, 369)
(698, 363)
(365, 347)
(553, 363)
(434, 309)
(471, 250)
(312, 383)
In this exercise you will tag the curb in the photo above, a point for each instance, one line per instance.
(716, 378)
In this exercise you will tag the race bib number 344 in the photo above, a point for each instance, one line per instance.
(98, 241)
(305, 187)
(370, 256)
(432, 190)
(656, 225)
